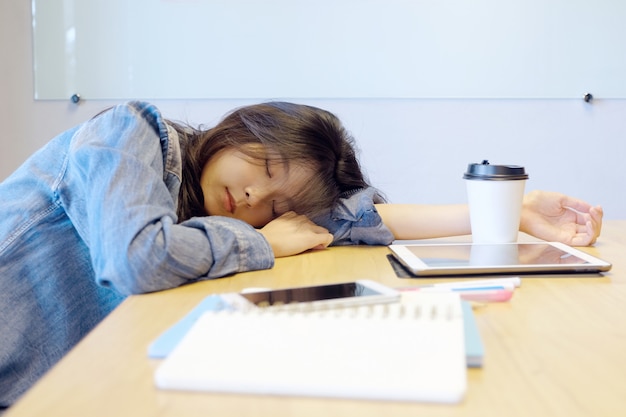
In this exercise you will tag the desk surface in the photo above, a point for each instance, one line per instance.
(557, 348)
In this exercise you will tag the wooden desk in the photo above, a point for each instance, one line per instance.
(557, 348)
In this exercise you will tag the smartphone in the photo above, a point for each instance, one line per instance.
(321, 296)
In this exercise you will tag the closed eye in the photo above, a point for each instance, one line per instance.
(267, 169)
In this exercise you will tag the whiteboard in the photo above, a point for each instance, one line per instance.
(223, 49)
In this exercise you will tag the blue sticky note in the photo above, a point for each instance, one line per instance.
(474, 349)
(165, 343)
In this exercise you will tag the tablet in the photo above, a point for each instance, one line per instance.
(474, 258)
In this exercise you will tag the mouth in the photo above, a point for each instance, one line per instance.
(229, 202)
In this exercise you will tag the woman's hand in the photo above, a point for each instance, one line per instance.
(292, 233)
(557, 217)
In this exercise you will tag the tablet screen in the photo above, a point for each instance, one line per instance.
(486, 255)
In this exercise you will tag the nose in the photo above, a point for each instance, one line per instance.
(255, 196)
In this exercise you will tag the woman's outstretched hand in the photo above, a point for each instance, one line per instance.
(292, 233)
(557, 217)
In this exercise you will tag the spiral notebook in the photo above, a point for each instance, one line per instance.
(408, 351)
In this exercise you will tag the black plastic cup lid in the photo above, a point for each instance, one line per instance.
(486, 171)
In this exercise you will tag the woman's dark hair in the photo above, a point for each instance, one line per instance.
(306, 135)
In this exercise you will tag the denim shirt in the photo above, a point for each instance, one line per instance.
(355, 221)
(91, 218)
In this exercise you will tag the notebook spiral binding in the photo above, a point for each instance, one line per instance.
(406, 310)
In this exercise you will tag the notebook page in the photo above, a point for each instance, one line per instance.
(409, 351)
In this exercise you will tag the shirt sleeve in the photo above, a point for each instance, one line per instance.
(114, 192)
(355, 221)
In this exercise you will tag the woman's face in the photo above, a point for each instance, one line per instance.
(249, 189)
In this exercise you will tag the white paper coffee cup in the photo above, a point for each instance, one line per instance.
(495, 194)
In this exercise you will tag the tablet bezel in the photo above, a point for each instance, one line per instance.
(416, 266)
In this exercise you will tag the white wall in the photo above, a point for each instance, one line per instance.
(348, 48)
(415, 150)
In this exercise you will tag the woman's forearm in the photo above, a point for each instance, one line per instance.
(417, 221)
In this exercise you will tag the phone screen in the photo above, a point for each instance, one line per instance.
(307, 294)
